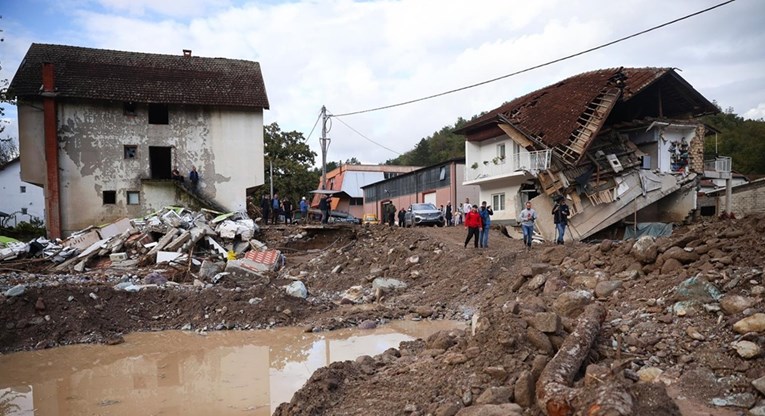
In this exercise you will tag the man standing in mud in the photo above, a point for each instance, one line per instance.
(560, 214)
(528, 216)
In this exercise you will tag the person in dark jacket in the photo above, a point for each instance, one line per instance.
(401, 217)
(324, 208)
(473, 225)
(486, 213)
(265, 208)
(560, 213)
(449, 220)
(194, 178)
(287, 205)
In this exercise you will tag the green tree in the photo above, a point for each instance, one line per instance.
(292, 160)
(742, 140)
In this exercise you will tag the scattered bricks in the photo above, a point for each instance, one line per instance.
(165, 240)
(179, 241)
(115, 257)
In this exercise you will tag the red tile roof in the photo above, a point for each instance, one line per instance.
(551, 113)
(141, 77)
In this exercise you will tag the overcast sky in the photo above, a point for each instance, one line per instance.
(355, 55)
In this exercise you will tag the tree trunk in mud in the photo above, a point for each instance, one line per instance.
(554, 393)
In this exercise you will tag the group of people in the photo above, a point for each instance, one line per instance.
(274, 208)
(477, 222)
(193, 177)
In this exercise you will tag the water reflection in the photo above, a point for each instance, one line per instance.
(173, 373)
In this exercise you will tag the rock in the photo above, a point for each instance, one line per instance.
(40, 304)
(497, 373)
(337, 269)
(743, 400)
(504, 409)
(539, 340)
(606, 245)
(733, 304)
(495, 395)
(424, 311)
(649, 374)
(526, 272)
(757, 411)
(605, 289)
(368, 324)
(554, 285)
(254, 301)
(297, 289)
(448, 409)
(746, 349)
(759, 384)
(683, 256)
(754, 323)
(453, 358)
(154, 278)
(93, 296)
(209, 269)
(441, 340)
(671, 266)
(548, 322)
(537, 282)
(387, 285)
(410, 408)
(413, 259)
(758, 290)
(524, 389)
(645, 250)
(694, 333)
(697, 289)
(588, 279)
(539, 268)
(571, 304)
(186, 327)
(17, 290)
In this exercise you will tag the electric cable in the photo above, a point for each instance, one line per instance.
(642, 32)
(365, 137)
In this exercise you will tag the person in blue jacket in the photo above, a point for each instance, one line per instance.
(486, 213)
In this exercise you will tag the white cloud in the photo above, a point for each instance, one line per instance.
(757, 113)
(352, 55)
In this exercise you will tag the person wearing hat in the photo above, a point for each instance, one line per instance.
(560, 213)
(303, 210)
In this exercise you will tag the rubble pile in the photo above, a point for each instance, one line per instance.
(196, 243)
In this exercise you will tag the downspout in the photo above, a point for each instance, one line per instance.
(52, 195)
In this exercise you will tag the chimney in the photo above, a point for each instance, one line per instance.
(187, 52)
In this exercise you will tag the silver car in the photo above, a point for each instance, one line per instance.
(423, 214)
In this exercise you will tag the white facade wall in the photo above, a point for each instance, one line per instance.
(19, 196)
(226, 146)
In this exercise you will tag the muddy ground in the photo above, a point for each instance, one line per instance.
(667, 341)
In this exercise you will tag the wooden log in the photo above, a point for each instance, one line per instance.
(554, 393)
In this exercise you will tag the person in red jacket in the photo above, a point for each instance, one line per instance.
(473, 224)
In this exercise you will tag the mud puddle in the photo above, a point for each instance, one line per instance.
(174, 373)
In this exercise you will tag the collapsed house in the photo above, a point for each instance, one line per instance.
(102, 131)
(619, 144)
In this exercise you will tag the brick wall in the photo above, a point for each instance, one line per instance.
(696, 153)
(746, 199)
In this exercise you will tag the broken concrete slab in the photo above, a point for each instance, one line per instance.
(167, 256)
(116, 228)
(82, 241)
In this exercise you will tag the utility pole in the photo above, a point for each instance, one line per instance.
(324, 146)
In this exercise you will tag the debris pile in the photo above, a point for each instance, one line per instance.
(192, 243)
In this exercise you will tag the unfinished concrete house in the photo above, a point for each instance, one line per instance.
(102, 131)
(621, 145)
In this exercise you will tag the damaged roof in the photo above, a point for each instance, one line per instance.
(550, 114)
(141, 77)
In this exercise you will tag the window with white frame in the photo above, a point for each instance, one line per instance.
(498, 202)
(501, 153)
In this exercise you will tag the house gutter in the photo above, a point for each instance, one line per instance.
(52, 195)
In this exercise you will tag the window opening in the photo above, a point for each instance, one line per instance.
(158, 114)
(133, 197)
(129, 108)
(130, 151)
(23, 189)
(110, 197)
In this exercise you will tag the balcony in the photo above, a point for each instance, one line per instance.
(520, 165)
(719, 167)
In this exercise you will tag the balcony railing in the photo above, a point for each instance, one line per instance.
(719, 164)
(531, 162)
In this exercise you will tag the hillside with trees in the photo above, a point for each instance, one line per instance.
(742, 140)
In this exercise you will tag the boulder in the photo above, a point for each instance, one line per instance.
(571, 304)
(645, 250)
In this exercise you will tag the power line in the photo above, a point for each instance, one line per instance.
(314, 126)
(540, 65)
(357, 132)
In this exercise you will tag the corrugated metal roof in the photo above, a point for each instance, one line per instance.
(141, 77)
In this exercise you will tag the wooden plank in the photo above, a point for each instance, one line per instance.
(516, 136)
